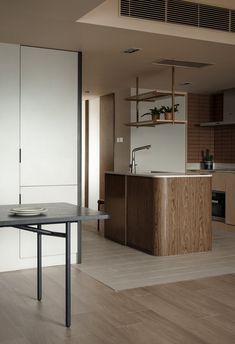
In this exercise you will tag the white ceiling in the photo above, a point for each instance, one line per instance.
(52, 23)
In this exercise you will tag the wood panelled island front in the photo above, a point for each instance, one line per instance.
(160, 214)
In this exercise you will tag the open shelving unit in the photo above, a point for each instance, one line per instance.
(154, 123)
(151, 97)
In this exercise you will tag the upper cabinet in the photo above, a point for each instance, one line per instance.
(48, 117)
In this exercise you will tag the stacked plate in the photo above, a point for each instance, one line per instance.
(27, 211)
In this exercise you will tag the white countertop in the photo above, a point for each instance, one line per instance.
(162, 174)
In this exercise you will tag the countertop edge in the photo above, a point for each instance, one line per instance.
(161, 175)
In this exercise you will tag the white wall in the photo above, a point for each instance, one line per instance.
(168, 142)
(122, 115)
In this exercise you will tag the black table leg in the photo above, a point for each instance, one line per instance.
(39, 265)
(68, 275)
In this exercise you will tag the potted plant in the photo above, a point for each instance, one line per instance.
(155, 113)
(207, 160)
(167, 110)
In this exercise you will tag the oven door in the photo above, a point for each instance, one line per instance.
(218, 206)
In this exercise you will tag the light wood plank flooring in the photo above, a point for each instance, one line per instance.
(121, 267)
(190, 312)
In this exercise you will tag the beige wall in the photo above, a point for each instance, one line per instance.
(122, 115)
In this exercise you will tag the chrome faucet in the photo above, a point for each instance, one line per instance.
(133, 164)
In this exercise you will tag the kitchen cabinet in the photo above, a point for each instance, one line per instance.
(230, 199)
(115, 204)
(9, 123)
(219, 181)
(39, 115)
(225, 182)
(140, 210)
(48, 136)
(48, 117)
(162, 214)
(9, 148)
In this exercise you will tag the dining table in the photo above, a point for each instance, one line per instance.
(54, 213)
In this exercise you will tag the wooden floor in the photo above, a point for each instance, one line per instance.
(121, 267)
(189, 312)
(201, 311)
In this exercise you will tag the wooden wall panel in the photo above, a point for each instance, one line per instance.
(140, 210)
(115, 205)
(183, 215)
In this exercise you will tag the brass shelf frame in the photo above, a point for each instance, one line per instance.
(151, 97)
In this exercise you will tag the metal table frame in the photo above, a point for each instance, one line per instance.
(66, 214)
(67, 236)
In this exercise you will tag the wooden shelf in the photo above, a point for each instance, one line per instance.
(152, 96)
(154, 123)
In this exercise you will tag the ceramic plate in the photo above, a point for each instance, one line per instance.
(27, 211)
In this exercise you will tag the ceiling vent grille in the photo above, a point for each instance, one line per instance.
(180, 12)
(233, 21)
(214, 17)
(125, 8)
(145, 9)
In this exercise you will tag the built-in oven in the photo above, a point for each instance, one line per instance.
(218, 205)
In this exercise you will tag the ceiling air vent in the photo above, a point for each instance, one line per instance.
(125, 8)
(179, 63)
(214, 17)
(144, 9)
(182, 12)
(233, 21)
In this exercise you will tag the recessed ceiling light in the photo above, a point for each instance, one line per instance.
(186, 83)
(131, 50)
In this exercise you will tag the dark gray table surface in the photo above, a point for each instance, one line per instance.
(57, 213)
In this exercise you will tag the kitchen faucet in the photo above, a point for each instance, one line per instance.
(132, 164)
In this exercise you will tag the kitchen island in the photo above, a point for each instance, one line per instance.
(159, 213)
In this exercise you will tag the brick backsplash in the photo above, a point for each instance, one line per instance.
(219, 140)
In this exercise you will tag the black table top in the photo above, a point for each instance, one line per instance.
(57, 213)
